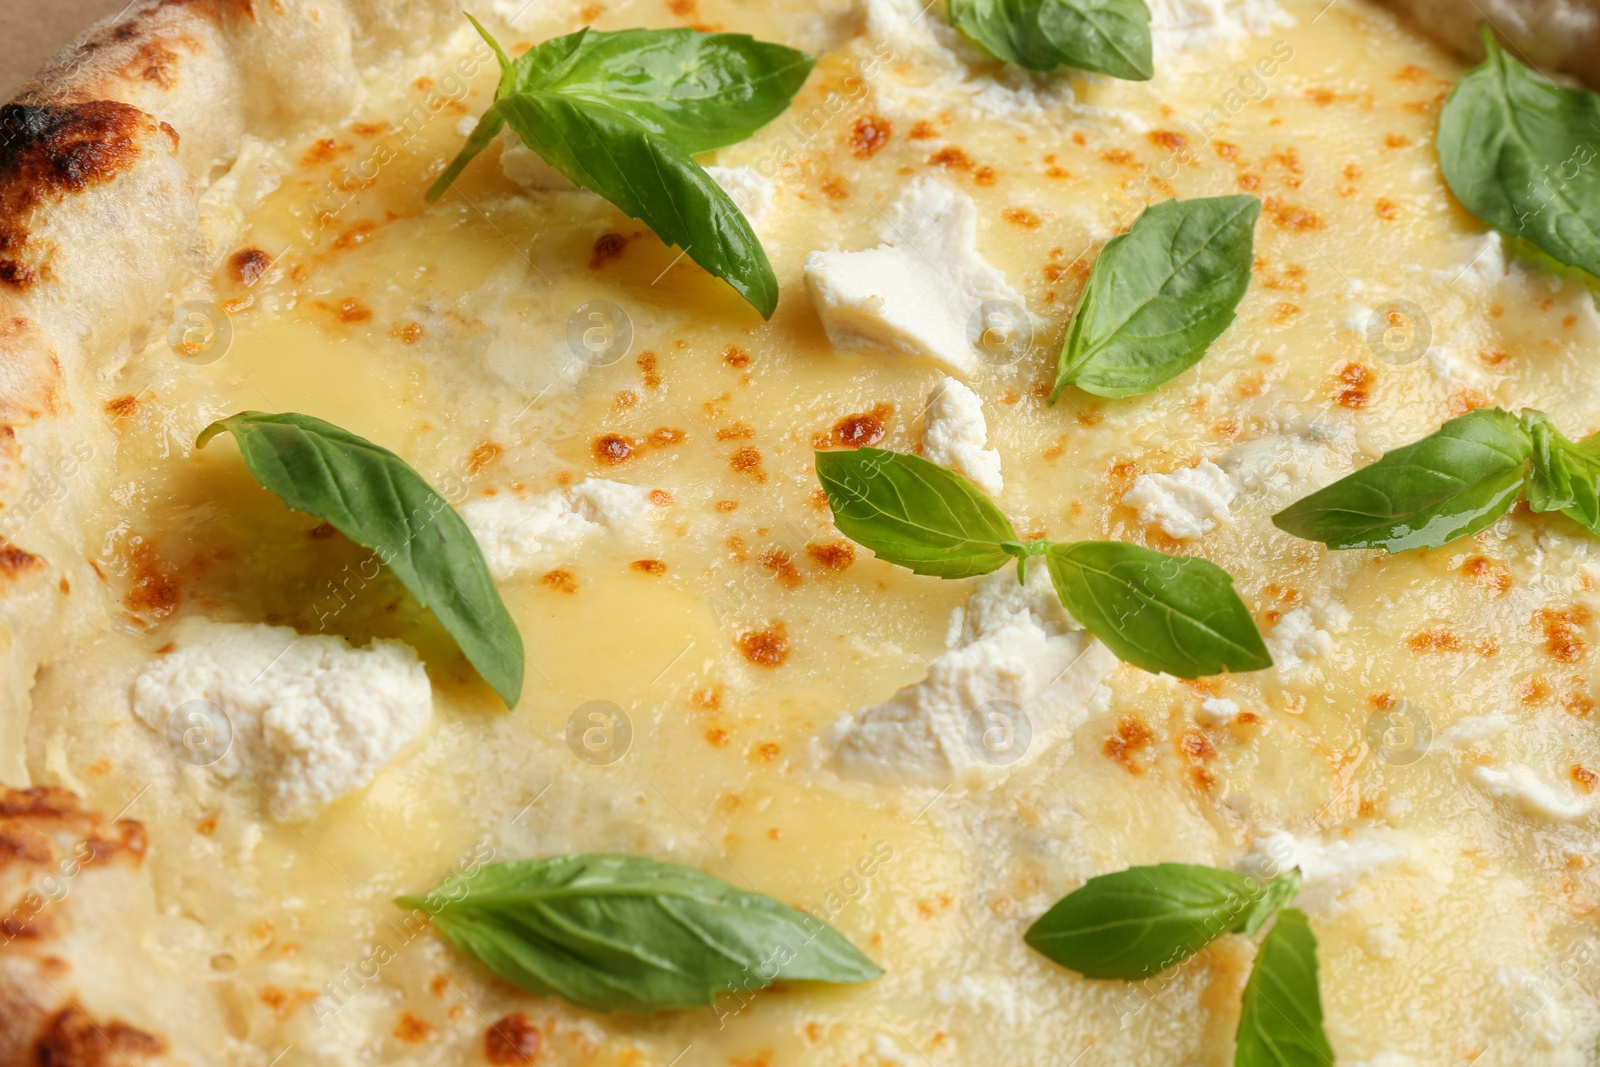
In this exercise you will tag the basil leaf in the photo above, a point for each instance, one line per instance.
(1106, 36)
(1450, 484)
(699, 90)
(1177, 615)
(1136, 923)
(625, 933)
(1275, 894)
(1280, 1024)
(1563, 476)
(371, 496)
(623, 113)
(1517, 151)
(1159, 295)
(914, 513)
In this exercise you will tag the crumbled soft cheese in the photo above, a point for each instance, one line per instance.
(1472, 729)
(1186, 503)
(748, 189)
(311, 718)
(954, 434)
(915, 294)
(1306, 633)
(1520, 786)
(1185, 25)
(1217, 711)
(1485, 260)
(1283, 467)
(1452, 371)
(1328, 870)
(512, 531)
(1016, 648)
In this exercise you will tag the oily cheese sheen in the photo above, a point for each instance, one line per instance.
(717, 678)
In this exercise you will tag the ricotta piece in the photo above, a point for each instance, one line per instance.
(1328, 870)
(1019, 672)
(1520, 786)
(1189, 25)
(1218, 711)
(1186, 503)
(306, 719)
(915, 294)
(954, 435)
(516, 532)
(1306, 634)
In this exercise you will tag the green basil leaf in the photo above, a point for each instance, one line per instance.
(1106, 36)
(699, 90)
(1275, 894)
(1518, 151)
(1450, 484)
(623, 114)
(1136, 923)
(625, 933)
(1280, 1024)
(1563, 476)
(371, 496)
(1159, 295)
(601, 148)
(1178, 615)
(914, 513)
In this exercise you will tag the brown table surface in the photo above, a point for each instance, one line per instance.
(31, 31)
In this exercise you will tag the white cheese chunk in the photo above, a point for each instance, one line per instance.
(1196, 25)
(1305, 634)
(311, 719)
(514, 532)
(1521, 786)
(954, 435)
(1328, 869)
(1018, 664)
(1218, 711)
(1473, 729)
(1186, 503)
(916, 294)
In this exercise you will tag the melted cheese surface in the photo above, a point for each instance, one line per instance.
(1449, 879)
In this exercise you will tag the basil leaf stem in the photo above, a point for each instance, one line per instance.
(1177, 614)
(624, 113)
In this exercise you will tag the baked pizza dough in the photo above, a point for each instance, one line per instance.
(213, 206)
